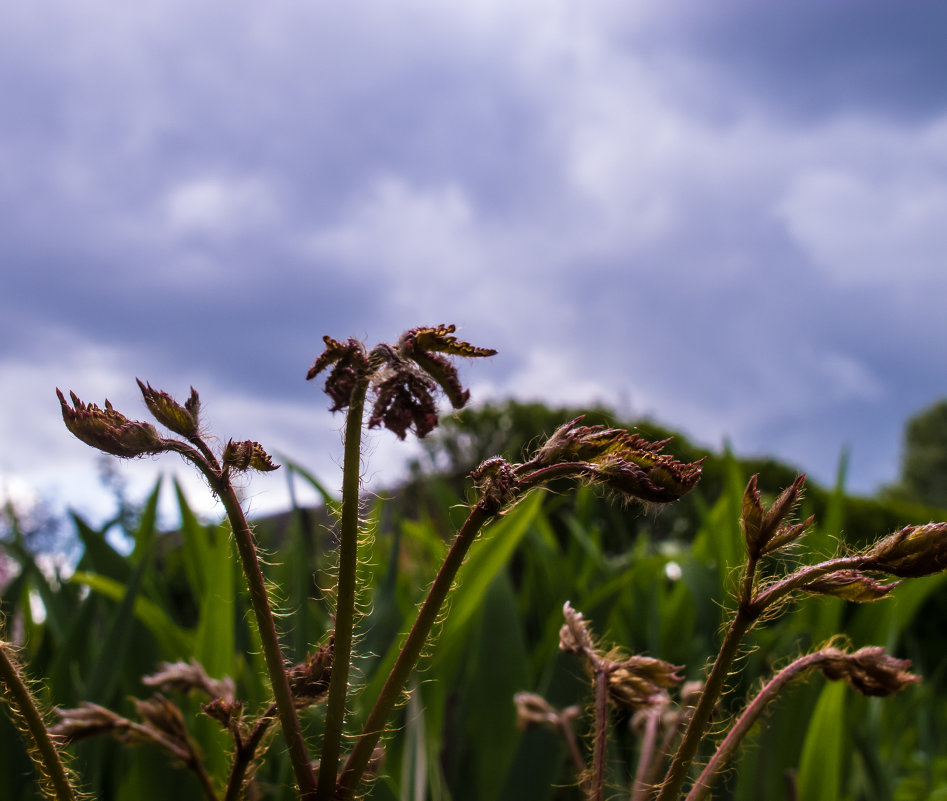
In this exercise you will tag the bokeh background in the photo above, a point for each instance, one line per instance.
(727, 216)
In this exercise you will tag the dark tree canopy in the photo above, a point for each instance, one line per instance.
(924, 457)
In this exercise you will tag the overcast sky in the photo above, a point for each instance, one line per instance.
(728, 216)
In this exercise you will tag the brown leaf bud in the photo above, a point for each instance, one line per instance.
(86, 720)
(765, 530)
(247, 455)
(187, 676)
(227, 713)
(495, 482)
(912, 552)
(646, 476)
(404, 401)
(351, 369)
(309, 681)
(869, 670)
(181, 419)
(851, 585)
(108, 430)
(574, 636)
(163, 716)
(534, 710)
(640, 681)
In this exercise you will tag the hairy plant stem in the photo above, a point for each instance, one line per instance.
(410, 651)
(245, 753)
(43, 753)
(641, 786)
(747, 613)
(596, 787)
(345, 600)
(289, 720)
(746, 720)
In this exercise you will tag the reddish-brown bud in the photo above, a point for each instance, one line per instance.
(765, 530)
(912, 552)
(108, 430)
(247, 455)
(86, 720)
(351, 369)
(181, 419)
(851, 585)
(309, 681)
(574, 636)
(405, 376)
(187, 676)
(869, 670)
(646, 476)
(640, 681)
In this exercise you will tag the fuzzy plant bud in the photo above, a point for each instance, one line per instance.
(534, 710)
(86, 720)
(349, 369)
(405, 377)
(869, 670)
(766, 530)
(624, 462)
(912, 552)
(183, 419)
(164, 717)
(574, 636)
(309, 681)
(640, 682)
(190, 676)
(495, 482)
(646, 475)
(227, 712)
(247, 455)
(108, 430)
(850, 585)
(404, 402)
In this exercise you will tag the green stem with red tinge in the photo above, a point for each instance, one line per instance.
(345, 601)
(410, 652)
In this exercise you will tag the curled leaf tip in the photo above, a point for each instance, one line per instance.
(440, 339)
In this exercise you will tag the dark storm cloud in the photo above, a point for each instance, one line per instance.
(823, 57)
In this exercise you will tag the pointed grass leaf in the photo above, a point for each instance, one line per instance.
(174, 641)
(489, 556)
(823, 750)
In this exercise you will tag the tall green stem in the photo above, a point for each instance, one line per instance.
(747, 613)
(43, 753)
(687, 750)
(410, 652)
(345, 600)
(271, 648)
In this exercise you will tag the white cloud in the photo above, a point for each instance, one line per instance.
(865, 229)
(218, 205)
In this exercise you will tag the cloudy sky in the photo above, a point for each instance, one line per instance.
(728, 216)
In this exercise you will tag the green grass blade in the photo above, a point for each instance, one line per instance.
(823, 751)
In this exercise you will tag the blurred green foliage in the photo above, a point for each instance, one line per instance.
(653, 581)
